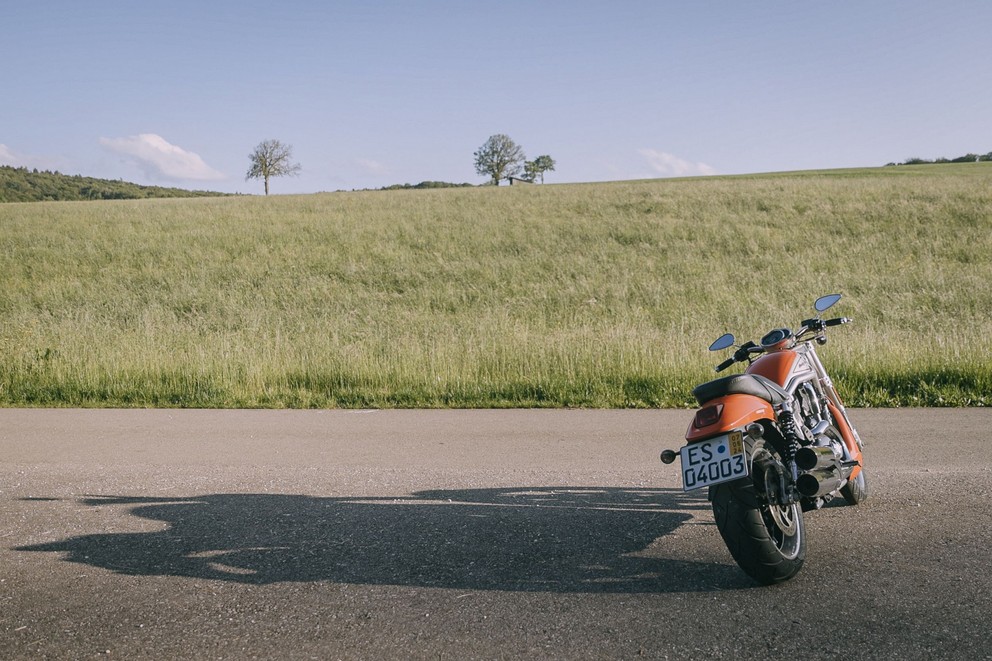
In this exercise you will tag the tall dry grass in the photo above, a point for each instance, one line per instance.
(582, 295)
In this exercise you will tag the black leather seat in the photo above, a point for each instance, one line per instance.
(741, 384)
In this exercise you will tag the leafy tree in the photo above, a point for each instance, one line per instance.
(537, 168)
(499, 158)
(530, 171)
(271, 158)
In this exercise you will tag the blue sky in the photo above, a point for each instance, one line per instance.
(376, 93)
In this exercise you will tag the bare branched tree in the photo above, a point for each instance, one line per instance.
(271, 158)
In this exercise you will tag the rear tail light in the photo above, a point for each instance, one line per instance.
(708, 415)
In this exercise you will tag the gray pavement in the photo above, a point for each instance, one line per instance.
(466, 534)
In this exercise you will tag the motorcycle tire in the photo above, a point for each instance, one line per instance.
(856, 490)
(767, 541)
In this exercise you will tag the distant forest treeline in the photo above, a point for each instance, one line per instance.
(24, 185)
(425, 185)
(967, 158)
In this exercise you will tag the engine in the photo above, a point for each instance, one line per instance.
(816, 423)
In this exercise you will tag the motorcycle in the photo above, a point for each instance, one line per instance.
(771, 444)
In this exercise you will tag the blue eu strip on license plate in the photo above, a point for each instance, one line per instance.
(713, 461)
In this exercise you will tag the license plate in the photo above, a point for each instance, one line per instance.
(716, 460)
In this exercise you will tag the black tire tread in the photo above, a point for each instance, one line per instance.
(744, 532)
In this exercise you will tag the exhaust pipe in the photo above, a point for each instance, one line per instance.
(811, 458)
(823, 472)
(820, 481)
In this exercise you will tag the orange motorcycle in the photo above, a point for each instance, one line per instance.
(771, 444)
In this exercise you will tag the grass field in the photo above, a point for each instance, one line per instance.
(598, 295)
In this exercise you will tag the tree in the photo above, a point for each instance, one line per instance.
(530, 171)
(500, 158)
(271, 158)
(537, 168)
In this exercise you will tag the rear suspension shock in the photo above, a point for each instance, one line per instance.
(787, 421)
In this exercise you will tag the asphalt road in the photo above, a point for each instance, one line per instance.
(466, 534)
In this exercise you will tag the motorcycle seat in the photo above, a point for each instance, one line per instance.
(741, 384)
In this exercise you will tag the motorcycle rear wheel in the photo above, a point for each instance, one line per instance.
(767, 541)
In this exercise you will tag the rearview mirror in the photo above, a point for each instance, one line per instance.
(824, 303)
(723, 342)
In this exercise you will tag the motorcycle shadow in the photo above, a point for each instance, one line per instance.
(549, 539)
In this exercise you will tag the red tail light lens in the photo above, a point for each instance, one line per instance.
(708, 416)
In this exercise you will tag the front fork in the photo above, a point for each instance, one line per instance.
(834, 398)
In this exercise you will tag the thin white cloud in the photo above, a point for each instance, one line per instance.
(370, 166)
(160, 159)
(7, 156)
(12, 158)
(670, 165)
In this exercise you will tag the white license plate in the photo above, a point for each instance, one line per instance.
(716, 460)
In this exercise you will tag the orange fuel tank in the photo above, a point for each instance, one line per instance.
(776, 366)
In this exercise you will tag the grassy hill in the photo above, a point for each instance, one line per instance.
(23, 185)
(599, 295)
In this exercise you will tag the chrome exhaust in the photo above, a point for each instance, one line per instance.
(820, 482)
(812, 458)
(822, 471)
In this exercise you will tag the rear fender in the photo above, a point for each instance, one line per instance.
(735, 412)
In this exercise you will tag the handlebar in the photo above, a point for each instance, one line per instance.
(742, 353)
(816, 325)
(725, 364)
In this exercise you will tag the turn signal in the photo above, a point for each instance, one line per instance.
(708, 416)
(755, 431)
